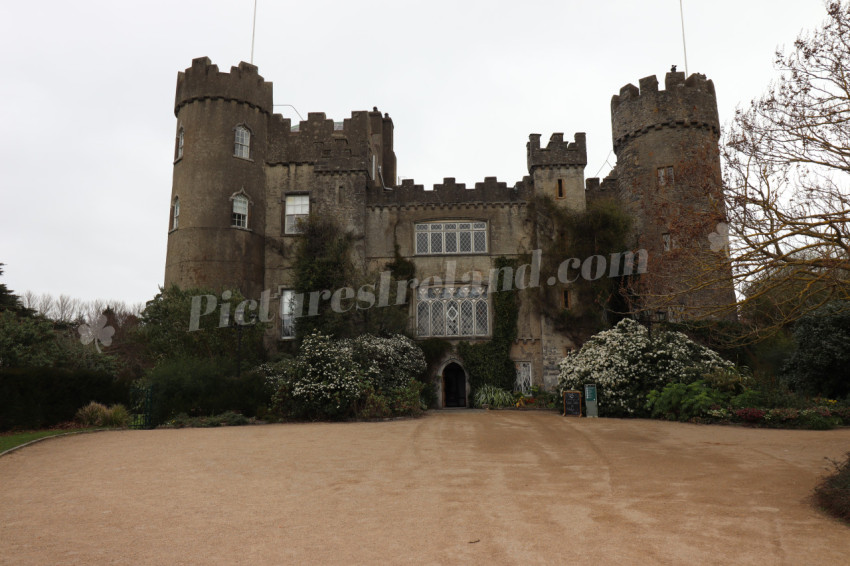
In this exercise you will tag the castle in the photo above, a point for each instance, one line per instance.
(245, 178)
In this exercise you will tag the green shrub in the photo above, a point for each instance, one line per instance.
(93, 414)
(833, 493)
(493, 396)
(117, 416)
(749, 398)
(626, 364)
(819, 365)
(684, 401)
(203, 387)
(367, 377)
(818, 419)
(33, 398)
(227, 418)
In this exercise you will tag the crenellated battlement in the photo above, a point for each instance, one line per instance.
(203, 81)
(334, 146)
(450, 192)
(684, 102)
(557, 153)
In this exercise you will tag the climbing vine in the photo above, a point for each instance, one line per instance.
(489, 362)
(602, 229)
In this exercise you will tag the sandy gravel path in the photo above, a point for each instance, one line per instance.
(475, 487)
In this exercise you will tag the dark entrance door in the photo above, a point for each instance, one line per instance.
(454, 384)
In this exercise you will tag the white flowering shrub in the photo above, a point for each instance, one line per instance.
(625, 364)
(389, 363)
(333, 379)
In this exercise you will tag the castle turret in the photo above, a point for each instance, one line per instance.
(557, 170)
(218, 198)
(668, 178)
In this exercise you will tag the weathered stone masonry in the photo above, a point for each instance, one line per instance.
(348, 169)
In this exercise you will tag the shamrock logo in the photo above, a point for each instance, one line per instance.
(719, 239)
(98, 332)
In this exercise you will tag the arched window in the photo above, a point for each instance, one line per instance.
(452, 311)
(242, 144)
(175, 213)
(239, 217)
(180, 144)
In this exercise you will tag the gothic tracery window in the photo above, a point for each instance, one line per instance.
(452, 311)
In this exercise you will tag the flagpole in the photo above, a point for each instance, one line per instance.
(254, 31)
(684, 45)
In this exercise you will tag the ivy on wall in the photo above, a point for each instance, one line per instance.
(602, 229)
(489, 362)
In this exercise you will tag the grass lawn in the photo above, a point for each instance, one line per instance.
(8, 441)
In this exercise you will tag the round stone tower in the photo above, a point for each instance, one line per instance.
(218, 202)
(668, 178)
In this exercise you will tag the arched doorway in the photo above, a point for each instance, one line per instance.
(454, 386)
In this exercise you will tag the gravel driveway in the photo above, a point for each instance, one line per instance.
(476, 487)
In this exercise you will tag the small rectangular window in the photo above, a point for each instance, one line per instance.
(666, 242)
(565, 297)
(239, 217)
(665, 176)
(297, 208)
(560, 188)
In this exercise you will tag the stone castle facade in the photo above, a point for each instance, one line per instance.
(245, 178)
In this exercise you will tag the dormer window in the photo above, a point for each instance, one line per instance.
(242, 143)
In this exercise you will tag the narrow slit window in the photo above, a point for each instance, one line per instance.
(560, 188)
(175, 214)
(287, 320)
(180, 143)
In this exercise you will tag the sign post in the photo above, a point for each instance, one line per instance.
(572, 404)
(590, 400)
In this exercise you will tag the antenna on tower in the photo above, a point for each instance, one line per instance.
(254, 31)
(684, 45)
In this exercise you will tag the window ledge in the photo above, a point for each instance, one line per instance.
(242, 158)
(242, 229)
(178, 160)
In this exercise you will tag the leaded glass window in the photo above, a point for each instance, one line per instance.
(451, 238)
(452, 311)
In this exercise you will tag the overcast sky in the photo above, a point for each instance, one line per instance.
(87, 99)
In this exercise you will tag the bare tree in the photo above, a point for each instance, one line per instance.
(786, 165)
